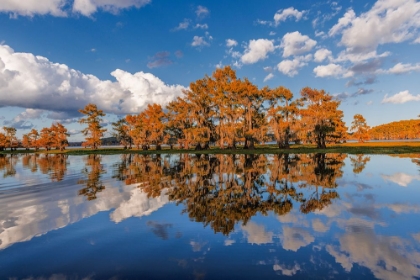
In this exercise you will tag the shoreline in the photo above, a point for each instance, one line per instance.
(402, 147)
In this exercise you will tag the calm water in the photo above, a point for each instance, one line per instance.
(210, 217)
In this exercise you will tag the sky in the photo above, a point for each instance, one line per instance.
(56, 56)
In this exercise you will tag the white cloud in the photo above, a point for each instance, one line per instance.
(295, 238)
(359, 57)
(202, 11)
(401, 179)
(388, 21)
(272, 33)
(286, 270)
(201, 26)
(386, 257)
(89, 7)
(183, 25)
(291, 67)
(231, 43)
(31, 81)
(256, 234)
(282, 15)
(23, 120)
(295, 43)
(417, 41)
(401, 68)
(343, 22)
(322, 54)
(257, 50)
(33, 7)
(199, 41)
(58, 7)
(401, 97)
(331, 70)
(268, 77)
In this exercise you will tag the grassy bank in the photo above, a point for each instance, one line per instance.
(348, 148)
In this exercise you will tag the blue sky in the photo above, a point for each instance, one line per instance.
(58, 55)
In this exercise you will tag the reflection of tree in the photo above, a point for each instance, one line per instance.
(326, 170)
(53, 165)
(93, 171)
(222, 190)
(7, 164)
(359, 163)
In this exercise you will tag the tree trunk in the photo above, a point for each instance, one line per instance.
(158, 147)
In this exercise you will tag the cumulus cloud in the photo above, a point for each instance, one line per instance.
(285, 270)
(201, 26)
(60, 7)
(402, 68)
(291, 67)
(256, 234)
(388, 21)
(343, 22)
(322, 54)
(331, 70)
(31, 81)
(34, 7)
(202, 11)
(295, 43)
(199, 41)
(401, 97)
(183, 25)
(401, 179)
(283, 15)
(159, 59)
(257, 50)
(295, 238)
(89, 7)
(386, 257)
(231, 43)
(268, 77)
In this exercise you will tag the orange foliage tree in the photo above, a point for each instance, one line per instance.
(94, 130)
(360, 128)
(321, 116)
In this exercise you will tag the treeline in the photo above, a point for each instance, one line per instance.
(406, 129)
(225, 111)
(48, 138)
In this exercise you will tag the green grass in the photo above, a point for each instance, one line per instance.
(348, 148)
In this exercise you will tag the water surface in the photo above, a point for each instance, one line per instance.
(209, 217)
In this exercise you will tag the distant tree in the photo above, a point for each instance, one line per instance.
(321, 116)
(360, 128)
(34, 135)
(59, 136)
(154, 120)
(26, 141)
(136, 130)
(45, 138)
(122, 132)
(11, 140)
(94, 131)
(2, 141)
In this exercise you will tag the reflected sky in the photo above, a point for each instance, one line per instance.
(209, 216)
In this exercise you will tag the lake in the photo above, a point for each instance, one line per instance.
(210, 217)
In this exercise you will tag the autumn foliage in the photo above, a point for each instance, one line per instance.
(225, 111)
